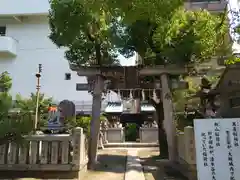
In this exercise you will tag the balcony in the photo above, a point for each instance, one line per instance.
(210, 5)
(8, 46)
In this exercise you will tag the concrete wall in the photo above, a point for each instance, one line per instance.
(24, 7)
(33, 48)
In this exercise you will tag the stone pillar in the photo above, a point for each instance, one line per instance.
(95, 122)
(189, 142)
(137, 104)
(77, 147)
(181, 147)
(169, 123)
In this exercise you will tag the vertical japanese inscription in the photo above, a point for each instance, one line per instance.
(217, 133)
(211, 155)
(204, 149)
(230, 156)
(235, 134)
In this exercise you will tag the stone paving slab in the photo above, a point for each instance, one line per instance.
(130, 145)
(134, 169)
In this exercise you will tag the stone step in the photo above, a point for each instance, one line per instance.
(130, 145)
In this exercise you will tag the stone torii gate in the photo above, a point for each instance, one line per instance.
(128, 79)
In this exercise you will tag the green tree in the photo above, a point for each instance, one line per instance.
(5, 82)
(83, 122)
(12, 125)
(85, 28)
(29, 104)
(90, 31)
(94, 31)
(183, 38)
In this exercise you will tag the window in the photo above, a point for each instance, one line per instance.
(67, 76)
(2, 30)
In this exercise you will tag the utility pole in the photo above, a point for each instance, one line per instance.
(38, 75)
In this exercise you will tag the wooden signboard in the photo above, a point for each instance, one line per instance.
(82, 87)
(217, 148)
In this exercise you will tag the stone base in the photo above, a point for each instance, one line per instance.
(76, 175)
(148, 135)
(115, 135)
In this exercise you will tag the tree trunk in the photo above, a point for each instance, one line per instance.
(95, 122)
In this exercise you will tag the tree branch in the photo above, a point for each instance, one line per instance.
(223, 18)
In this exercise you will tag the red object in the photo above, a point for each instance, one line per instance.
(50, 109)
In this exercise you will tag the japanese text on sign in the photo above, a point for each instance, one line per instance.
(217, 149)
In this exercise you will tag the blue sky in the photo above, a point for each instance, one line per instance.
(127, 62)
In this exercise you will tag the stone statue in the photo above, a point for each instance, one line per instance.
(154, 124)
(119, 125)
(103, 133)
(67, 109)
(104, 125)
(148, 124)
(100, 140)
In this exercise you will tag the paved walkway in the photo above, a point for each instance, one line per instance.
(134, 170)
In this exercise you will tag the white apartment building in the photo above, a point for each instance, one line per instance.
(24, 44)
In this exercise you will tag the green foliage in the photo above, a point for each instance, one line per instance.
(232, 60)
(182, 121)
(29, 104)
(12, 125)
(191, 36)
(183, 38)
(158, 28)
(5, 103)
(182, 97)
(131, 132)
(5, 81)
(83, 122)
(185, 97)
(82, 26)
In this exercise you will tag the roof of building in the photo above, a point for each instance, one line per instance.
(117, 107)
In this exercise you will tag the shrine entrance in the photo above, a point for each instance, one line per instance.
(131, 124)
(136, 84)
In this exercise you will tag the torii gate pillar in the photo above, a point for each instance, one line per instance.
(169, 122)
